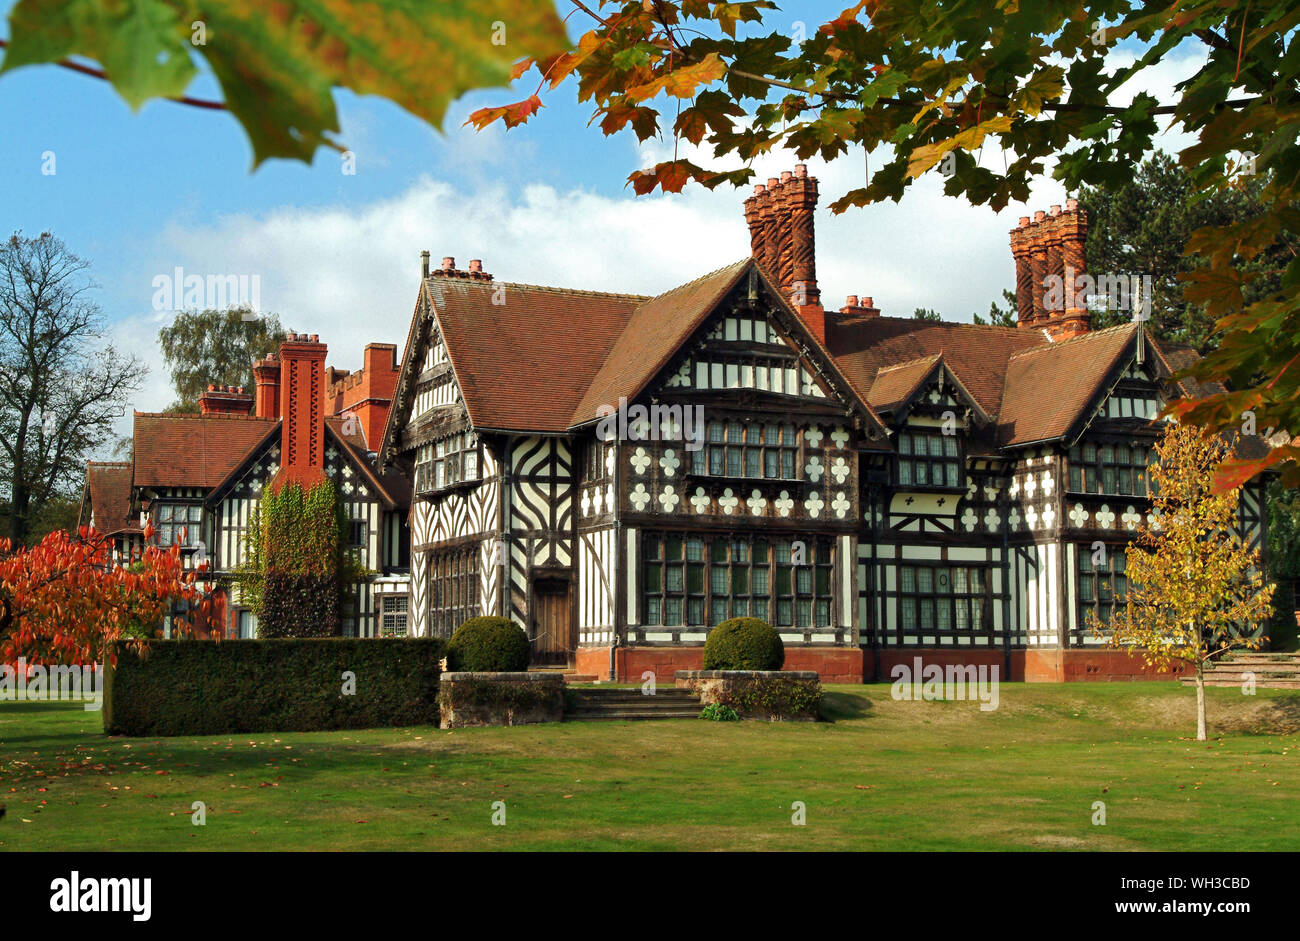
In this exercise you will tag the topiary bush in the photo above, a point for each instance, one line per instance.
(744, 644)
(488, 645)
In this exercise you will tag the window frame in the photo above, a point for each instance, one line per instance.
(926, 595)
(908, 461)
(759, 580)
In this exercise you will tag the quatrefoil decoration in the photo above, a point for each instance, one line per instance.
(640, 498)
(1105, 518)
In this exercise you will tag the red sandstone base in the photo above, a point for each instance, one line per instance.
(857, 665)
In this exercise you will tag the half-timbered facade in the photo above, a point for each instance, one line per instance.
(617, 473)
(198, 479)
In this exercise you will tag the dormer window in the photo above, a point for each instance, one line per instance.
(929, 459)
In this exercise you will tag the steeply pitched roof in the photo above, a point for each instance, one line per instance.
(193, 450)
(655, 331)
(894, 385)
(1049, 387)
(539, 359)
(108, 488)
(976, 355)
(526, 361)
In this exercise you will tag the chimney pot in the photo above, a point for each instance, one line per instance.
(786, 176)
(1039, 215)
(1024, 221)
(772, 182)
(868, 302)
(759, 189)
(1056, 210)
(211, 387)
(424, 264)
(476, 264)
(851, 301)
(448, 263)
(1071, 204)
(801, 170)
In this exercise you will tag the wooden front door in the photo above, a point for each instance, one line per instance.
(553, 641)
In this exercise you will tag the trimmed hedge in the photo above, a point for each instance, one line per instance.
(488, 645)
(744, 644)
(196, 687)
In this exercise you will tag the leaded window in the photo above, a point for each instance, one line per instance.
(393, 615)
(929, 459)
(1102, 583)
(696, 580)
(448, 462)
(1120, 469)
(178, 524)
(753, 449)
(942, 597)
(453, 589)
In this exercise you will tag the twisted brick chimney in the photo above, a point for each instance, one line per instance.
(1049, 254)
(783, 241)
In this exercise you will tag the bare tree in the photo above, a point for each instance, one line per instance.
(61, 386)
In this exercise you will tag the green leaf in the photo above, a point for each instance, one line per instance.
(278, 64)
(142, 45)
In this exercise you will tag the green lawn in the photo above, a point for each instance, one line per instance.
(881, 775)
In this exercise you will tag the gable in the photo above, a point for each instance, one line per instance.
(1049, 390)
(730, 332)
(746, 351)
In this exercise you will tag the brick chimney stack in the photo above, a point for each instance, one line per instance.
(1050, 258)
(225, 400)
(449, 270)
(783, 241)
(266, 374)
(864, 307)
(302, 432)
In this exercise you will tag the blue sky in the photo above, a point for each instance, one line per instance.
(139, 194)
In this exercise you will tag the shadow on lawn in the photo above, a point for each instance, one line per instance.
(836, 706)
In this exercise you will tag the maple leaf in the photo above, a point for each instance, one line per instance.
(513, 115)
(279, 63)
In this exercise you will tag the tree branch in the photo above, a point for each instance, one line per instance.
(101, 74)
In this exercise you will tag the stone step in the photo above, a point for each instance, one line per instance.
(581, 678)
(631, 716)
(630, 703)
(1273, 669)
